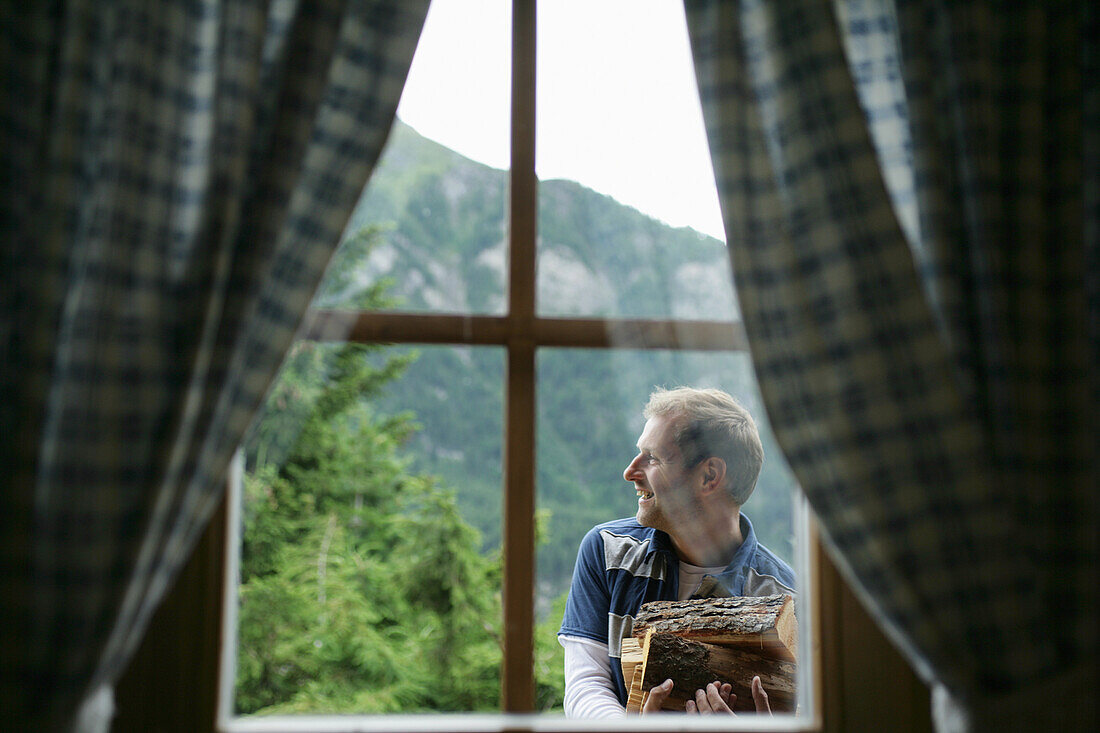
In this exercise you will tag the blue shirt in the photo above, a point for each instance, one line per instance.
(621, 565)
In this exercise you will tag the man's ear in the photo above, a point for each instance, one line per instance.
(714, 474)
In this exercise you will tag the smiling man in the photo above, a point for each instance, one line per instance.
(698, 459)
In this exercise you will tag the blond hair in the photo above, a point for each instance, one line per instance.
(711, 423)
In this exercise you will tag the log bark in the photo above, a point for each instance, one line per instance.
(764, 624)
(691, 665)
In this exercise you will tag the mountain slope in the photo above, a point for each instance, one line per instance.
(596, 257)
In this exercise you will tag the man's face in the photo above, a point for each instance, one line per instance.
(667, 494)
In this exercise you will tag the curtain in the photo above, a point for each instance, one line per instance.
(175, 178)
(909, 193)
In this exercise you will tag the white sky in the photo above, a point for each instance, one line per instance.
(618, 109)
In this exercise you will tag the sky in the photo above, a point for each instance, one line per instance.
(617, 105)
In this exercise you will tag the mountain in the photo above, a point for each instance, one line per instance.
(442, 246)
(446, 239)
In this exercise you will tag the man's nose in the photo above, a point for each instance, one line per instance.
(632, 471)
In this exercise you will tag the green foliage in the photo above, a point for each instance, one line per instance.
(550, 661)
(362, 588)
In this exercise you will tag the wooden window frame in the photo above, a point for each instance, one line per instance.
(173, 681)
(521, 332)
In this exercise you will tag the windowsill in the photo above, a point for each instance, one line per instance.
(505, 722)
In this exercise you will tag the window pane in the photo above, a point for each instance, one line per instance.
(369, 574)
(629, 223)
(590, 417)
(433, 213)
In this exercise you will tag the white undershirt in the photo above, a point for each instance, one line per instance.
(691, 576)
(588, 688)
(589, 691)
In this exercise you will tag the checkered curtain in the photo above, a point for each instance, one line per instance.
(175, 177)
(910, 195)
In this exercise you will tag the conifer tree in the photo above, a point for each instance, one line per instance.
(362, 589)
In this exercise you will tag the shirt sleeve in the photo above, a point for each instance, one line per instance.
(589, 690)
(589, 596)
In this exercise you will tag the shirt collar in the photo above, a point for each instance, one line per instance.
(747, 550)
(661, 542)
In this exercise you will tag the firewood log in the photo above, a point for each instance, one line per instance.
(765, 624)
(698, 641)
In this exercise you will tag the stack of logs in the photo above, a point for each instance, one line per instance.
(698, 641)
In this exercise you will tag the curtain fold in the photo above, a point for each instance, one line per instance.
(176, 177)
(906, 198)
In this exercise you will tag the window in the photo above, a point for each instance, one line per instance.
(542, 318)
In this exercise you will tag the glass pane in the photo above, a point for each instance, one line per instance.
(629, 223)
(432, 218)
(589, 419)
(369, 562)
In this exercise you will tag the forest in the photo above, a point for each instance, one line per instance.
(370, 560)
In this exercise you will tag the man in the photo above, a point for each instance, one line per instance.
(698, 460)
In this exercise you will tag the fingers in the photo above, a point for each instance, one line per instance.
(726, 692)
(759, 697)
(716, 698)
(656, 697)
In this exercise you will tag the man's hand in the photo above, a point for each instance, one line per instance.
(656, 697)
(718, 697)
